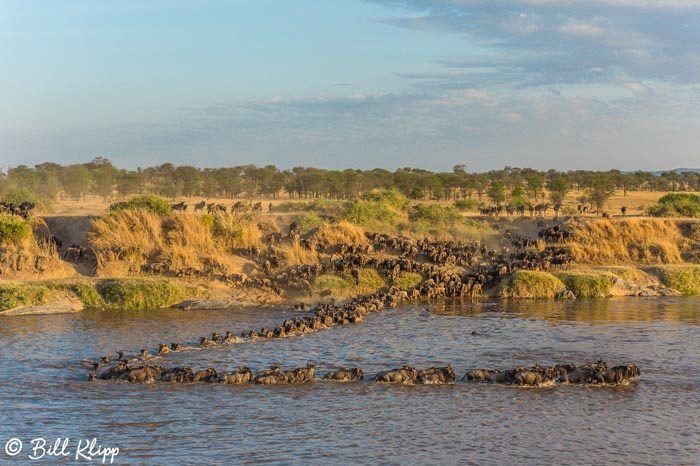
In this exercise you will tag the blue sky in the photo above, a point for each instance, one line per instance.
(563, 84)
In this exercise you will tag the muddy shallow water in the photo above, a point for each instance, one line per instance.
(655, 420)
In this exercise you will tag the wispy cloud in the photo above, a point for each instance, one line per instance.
(550, 42)
(543, 83)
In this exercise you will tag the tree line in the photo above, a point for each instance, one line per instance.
(509, 185)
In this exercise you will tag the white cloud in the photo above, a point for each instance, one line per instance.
(580, 29)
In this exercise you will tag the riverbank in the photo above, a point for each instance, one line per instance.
(139, 258)
(604, 282)
(64, 296)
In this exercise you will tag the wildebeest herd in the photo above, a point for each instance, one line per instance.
(237, 207)
(448, 269)
(598, 373)
(352, 312)
(23, 209)
(537, 209)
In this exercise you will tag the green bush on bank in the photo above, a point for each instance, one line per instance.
(685, 279)
(133, 294)
(308, 222)
(677, 205)
(22, 295)
(531, 284)
(13, 229)
(85, 292)
(380, 211)
(16, 195)
(155, 204)
(343, 286)
(320, 205)
(467, 205)
(407, 280)
(587, 285)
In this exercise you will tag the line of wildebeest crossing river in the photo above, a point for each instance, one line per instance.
(440, 281)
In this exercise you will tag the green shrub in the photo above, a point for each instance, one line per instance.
(155, 204)
(208, 220)
(433, 214)
(370, 281)
(320, 205)
(13, 229)
(445, 223)
(467, 205)
(17, 196)
(520, 201)
(685, 279)
(133, 294)
(327, 206)
(531, 284)
(22, 295)
(381, 210)
(308, 222)
(407, 280)
(677, 205)
(292, 206)
(587, 285)
(390, 197)
(85, 292)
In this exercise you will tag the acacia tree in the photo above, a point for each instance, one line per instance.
(599, 189)
(534, 185)
(558, 187)
(481, 184)
(76, 180)
(497, 192)
(129, 183)
(518, 197)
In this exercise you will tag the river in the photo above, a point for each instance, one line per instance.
(44, 392)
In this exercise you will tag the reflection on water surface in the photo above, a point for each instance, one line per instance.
(43, 391)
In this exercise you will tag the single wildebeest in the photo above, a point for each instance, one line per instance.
(617, 375)
(268, 377)
(208, 375)
(177, 374)
(531, 378)
(437, 376)
(242, 376)
(143, 374)
(309, 371)
(407, 374)
(479, 374)
(204, 341)
(507, 376)
(293, 376)
(345, 375)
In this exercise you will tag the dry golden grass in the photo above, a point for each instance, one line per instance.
(129, 235)
(340, 233)
(628, 241)
(33, 257)
(632, 274)
(296, 254)
(235, 231)
(126, 241)
(636, 201)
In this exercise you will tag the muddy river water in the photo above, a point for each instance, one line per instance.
(44, 392)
